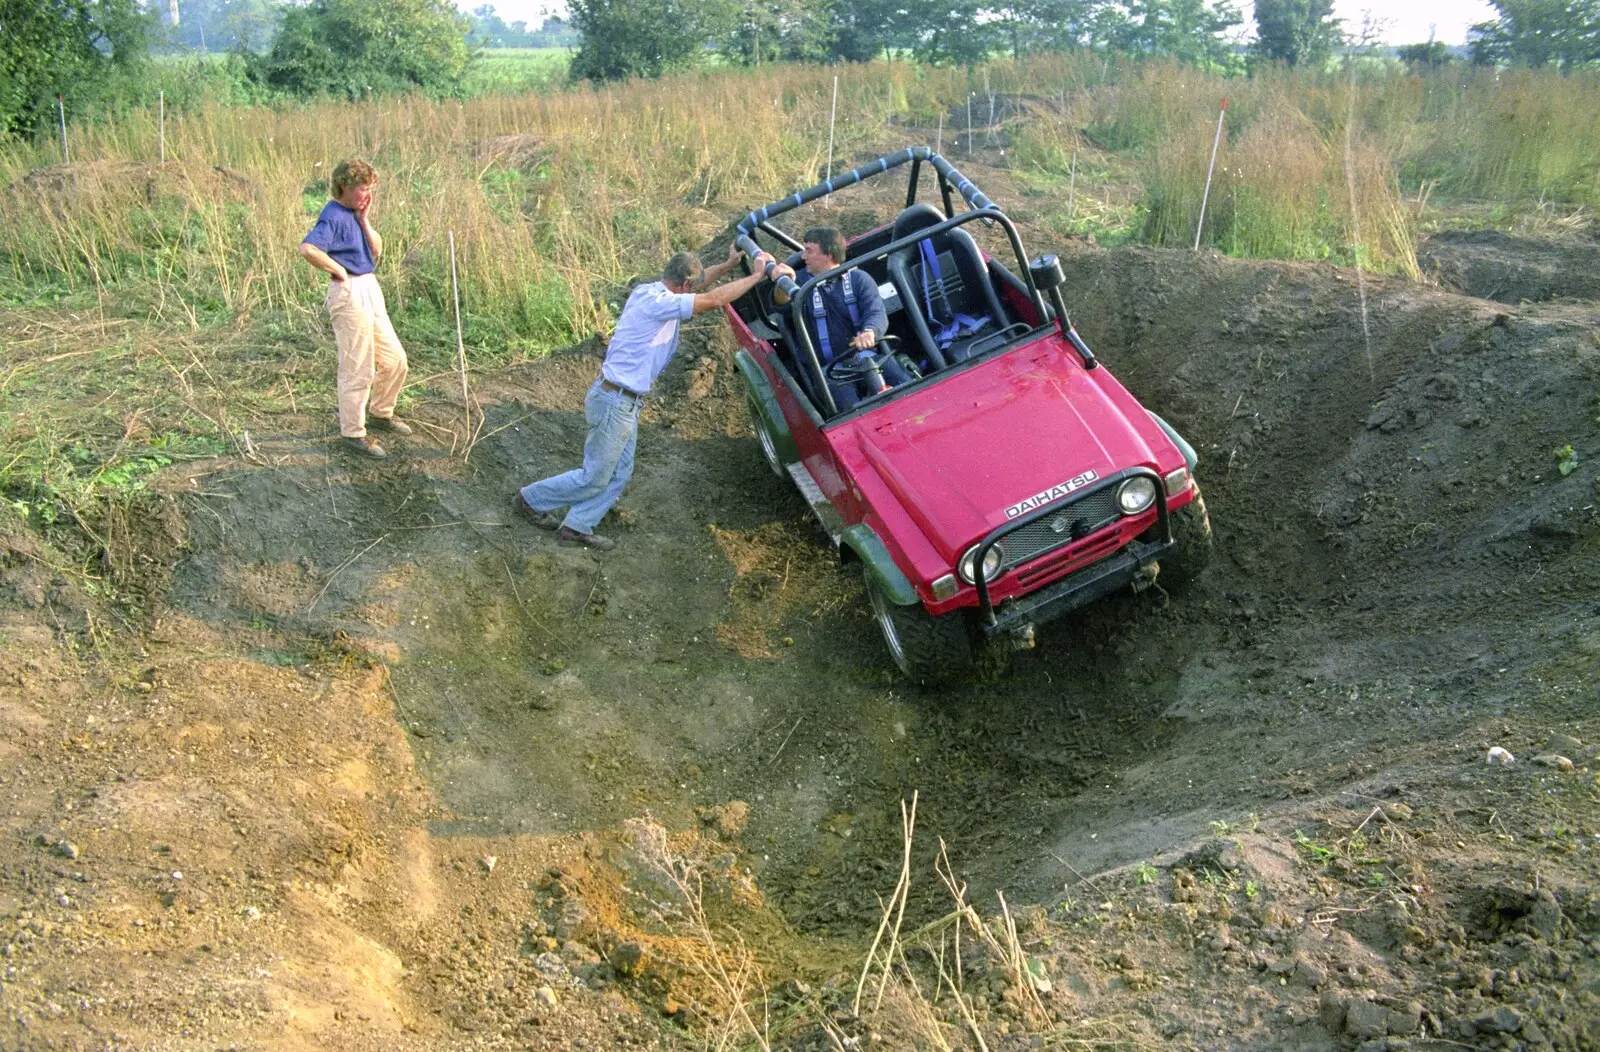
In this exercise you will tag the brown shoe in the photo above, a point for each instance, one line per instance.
(391, 424)
(545, 520)
(568, 535)
(367, 446)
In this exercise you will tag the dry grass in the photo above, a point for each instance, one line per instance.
(557, 198)
(1279, 191)
(158, 311)
(932, 1004)
(723, 972)
(542, 233)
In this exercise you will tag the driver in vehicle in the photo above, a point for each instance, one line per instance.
(846, 318)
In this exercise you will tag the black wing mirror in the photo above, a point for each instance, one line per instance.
(1048, 277)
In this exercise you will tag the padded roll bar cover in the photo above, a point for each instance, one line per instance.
(974, 197)
(748, 246)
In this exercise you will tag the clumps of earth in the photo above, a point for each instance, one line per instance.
(383, 769)
(1366, 922)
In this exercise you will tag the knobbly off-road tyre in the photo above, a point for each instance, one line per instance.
(769, 446)
(1191, 528)
(925, 648)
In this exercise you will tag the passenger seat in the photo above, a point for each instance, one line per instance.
(952, 305)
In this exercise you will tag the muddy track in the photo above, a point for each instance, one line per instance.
(1399, 555)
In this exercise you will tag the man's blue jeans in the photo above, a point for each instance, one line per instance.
(589, 492)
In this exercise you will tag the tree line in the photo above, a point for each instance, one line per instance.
(88, 50)
(490, 30)
(623, 38)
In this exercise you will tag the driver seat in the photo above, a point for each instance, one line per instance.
(944, 283)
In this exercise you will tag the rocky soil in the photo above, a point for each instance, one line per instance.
(391, 770)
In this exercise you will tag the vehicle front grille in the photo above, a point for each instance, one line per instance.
(1041, 570)
(1072, 522)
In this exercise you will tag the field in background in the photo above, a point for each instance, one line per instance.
(246, 725)
(558, 195)
(512, 69)
(556, 199)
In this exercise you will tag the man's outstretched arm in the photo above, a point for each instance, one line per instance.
(709, 276)
(726, 294)
(723, 295)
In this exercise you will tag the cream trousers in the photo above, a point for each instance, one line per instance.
(372, 364)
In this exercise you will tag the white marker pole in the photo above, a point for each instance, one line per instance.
(1072, 188)
(969, 124)
(161, 124)
(461, 347)
(833, 112)
(938, 144)
(61, 115)
(988, 132)
(1205, 197)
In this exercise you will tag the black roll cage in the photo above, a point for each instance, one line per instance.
(981, 208)
(949, 177)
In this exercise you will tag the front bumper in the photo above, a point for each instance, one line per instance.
(1078, 588)
(1083, 585)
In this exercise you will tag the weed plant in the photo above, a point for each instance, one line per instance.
(1514, 135)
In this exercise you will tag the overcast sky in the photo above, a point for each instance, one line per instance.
(1408, 22)
(1405, 23)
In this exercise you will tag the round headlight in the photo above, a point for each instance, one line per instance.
(1135, 495)
(991, 564)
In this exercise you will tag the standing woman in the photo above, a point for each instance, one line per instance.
(372, 364)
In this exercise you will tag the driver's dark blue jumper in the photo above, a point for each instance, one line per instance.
(843, 327)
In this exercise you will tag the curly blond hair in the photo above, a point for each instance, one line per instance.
(354, 172)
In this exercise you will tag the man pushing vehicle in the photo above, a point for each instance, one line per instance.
(645, 339)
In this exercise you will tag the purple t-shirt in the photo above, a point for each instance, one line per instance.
(338, 233)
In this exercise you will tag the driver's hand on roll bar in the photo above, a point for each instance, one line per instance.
(865, 340)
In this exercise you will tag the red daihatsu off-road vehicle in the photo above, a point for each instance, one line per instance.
(1007, 477)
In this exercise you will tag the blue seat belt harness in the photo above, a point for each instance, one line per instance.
(960, 324)
(819, 311)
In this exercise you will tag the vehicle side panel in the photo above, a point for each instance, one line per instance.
(815, 452)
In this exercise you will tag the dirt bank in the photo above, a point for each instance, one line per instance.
(378, 712)
(1499, 266)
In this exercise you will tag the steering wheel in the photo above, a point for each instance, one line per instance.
(860, 363)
